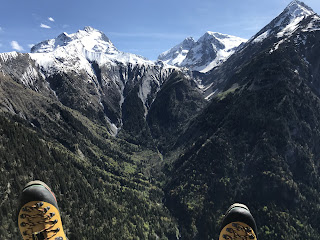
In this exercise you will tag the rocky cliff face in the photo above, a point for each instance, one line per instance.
(85, 72)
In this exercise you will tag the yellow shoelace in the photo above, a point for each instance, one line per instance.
(237, 231)
(37, 222)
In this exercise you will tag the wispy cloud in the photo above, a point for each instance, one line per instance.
(44, 26)
(16, 46)
(30, 45)
(50, 19)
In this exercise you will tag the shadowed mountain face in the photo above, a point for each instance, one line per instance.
(133, 149)
(176, 103)
(257, 142)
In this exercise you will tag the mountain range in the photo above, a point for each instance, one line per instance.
(139, 149)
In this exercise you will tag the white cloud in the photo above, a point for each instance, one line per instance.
(15, 45)
(30, 45)
(51, 19)
(44, 26)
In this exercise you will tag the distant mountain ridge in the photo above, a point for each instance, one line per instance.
(209, 51)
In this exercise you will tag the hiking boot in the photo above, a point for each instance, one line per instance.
(238, 224)
(39, 216)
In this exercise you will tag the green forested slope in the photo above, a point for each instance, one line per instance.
(257, 143)
(103, 185)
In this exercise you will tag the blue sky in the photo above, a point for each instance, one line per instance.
(144, 27)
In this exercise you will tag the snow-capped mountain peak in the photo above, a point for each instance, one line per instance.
(50, 45)
(89, 38)
(95, 41)
(189, 41)
(213, 37)
(222, 41)
(293, 14)
(209, 51)
(298, 9)
(177, 54)
(78, 50)
(286, 23)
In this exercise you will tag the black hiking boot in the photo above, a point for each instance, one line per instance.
(39, 216)
(238, 224)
